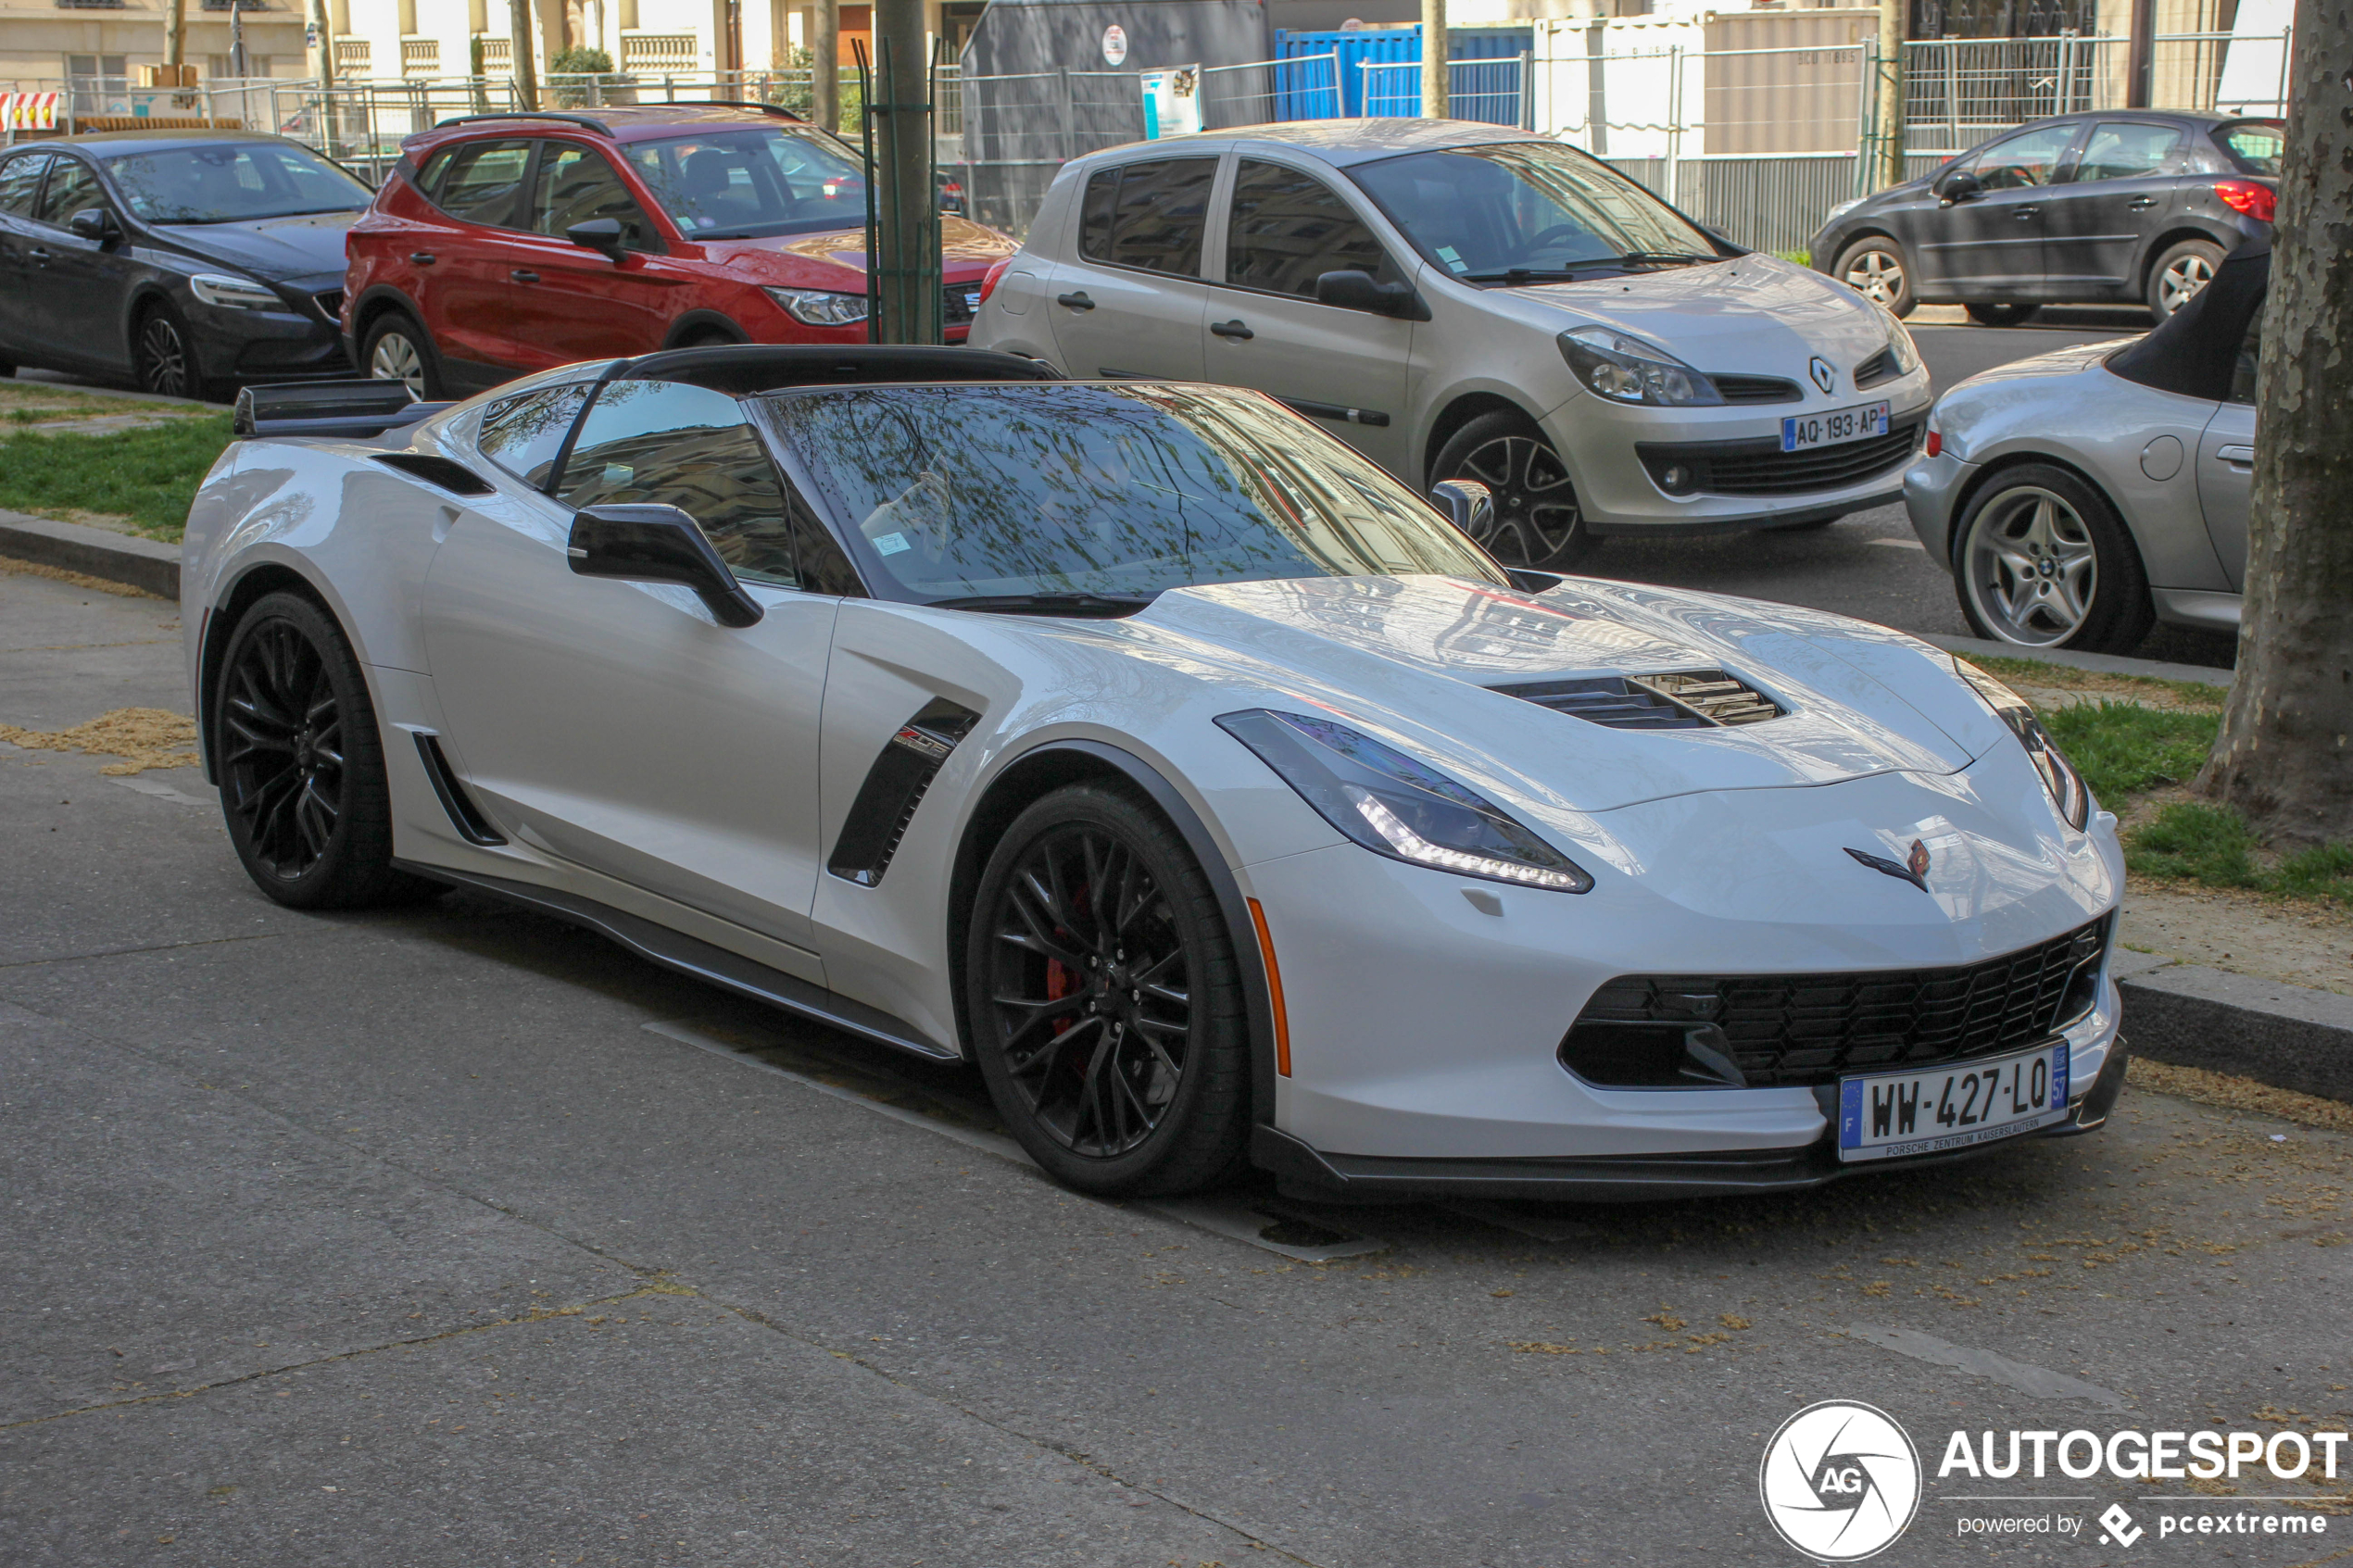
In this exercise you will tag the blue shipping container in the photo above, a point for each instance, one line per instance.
(1389, 45)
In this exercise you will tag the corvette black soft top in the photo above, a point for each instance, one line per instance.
(359, 410)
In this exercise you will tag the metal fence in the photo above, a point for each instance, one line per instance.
(1493, 92)
(1957, 92)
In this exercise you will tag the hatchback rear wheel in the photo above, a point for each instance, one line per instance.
(2179, 273)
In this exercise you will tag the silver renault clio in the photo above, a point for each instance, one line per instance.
(1464, 301)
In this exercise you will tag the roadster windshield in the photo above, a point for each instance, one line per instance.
(1107, 494)
(1487, 213)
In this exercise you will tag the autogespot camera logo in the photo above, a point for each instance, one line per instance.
(1840, 1481)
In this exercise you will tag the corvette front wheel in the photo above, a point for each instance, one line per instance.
(1105, 1000)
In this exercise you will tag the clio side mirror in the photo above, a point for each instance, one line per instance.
(642, 542)
(1352, 290)
(601, 234)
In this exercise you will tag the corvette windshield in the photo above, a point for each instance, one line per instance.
(736, 184)
(986, 493)
(234, 182)
(1486, 213)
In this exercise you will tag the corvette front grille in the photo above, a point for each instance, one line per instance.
(1761, 467)
(1690, 699)
(1803, 1029)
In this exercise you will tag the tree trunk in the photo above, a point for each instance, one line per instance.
(2284, 760)
(175, 35)
(1434, 46)
(824, 64)
(523, 67)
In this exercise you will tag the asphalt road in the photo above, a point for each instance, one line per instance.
(1868, 564)
(451, 1236)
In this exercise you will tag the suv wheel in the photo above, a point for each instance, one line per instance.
(398, 349)
(1874, 269)
(2178, 274)
(2001, 315)
(1105, 999)
(1539, 522)
(2044, 561)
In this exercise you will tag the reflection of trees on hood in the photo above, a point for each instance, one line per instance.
(1094, 489)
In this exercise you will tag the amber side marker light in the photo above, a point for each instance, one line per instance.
(1274, 988)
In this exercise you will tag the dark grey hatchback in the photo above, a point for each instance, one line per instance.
(2131, 206)
(188, 262)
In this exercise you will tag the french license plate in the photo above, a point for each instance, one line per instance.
(1801, 431)
(1888, 1115)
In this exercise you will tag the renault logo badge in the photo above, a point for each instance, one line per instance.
(1824, 376)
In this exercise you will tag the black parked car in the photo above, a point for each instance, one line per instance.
(189, 262)
(2129, 205)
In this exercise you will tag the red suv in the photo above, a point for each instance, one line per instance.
(505, 243)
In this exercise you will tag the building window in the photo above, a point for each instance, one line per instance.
(657, 51)
(420, 56)
(351, 57)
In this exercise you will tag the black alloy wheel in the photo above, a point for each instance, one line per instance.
(1104, 1000)
(1539, 523)
(300, 763)
(165, 359)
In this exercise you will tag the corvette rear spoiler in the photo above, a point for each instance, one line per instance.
(348, 409)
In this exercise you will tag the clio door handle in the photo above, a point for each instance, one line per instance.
(1076, 301)
(522, 275)
(1234, 328)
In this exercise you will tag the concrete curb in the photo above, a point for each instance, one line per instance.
(2288, 1036)
(2105, 663)
(93, 552)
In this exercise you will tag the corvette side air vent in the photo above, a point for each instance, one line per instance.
(894, 787)
(1690, 699)
(440, 473)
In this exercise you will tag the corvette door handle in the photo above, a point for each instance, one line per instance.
(422, 258)
(1076, 301)
(1234, 330)
(522, 275)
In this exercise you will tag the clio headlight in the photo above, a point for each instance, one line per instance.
(1627, 369)
(2068, 792)
(1394, 806)
(1900, 346)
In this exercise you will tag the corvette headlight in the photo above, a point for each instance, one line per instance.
(820, 308)
(2067, 790)
(236, 294)
(1627, 369)
(1394, 806)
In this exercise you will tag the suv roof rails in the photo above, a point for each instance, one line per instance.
(777, 109)
(593, 123)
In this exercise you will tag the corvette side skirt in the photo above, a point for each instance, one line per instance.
(688, 955)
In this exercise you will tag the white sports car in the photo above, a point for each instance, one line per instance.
(1163, 756)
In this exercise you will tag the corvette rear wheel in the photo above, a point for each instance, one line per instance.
(1539, 522)
(301, 768)
(1105, 1001)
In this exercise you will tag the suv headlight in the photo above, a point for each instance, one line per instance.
(1396, 807)
(1627, 369)
(236, 294)
(2068, 792)
(820, 308)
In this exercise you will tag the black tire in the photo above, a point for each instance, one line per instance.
(2005, 315)
(1540, 523)
(2041, 559)
(163, 356)
(1874, 267)
(301, 763)
(397, 348)
(2178, 273)
(1166, 1109)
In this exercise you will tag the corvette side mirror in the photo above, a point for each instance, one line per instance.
(602, 234)
(641, 542)
(95, 224)
(1352, 290)
(1468, 504)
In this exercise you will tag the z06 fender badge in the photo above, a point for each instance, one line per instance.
(1912, 868)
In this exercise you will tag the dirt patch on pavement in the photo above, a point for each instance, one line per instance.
(2239, 1093)
(77, 579)
(2243, 930)
(143, 737)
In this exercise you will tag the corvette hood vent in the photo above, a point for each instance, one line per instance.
(1690, 699)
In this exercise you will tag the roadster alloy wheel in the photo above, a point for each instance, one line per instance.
(301, 768)
(2042, 561)
(1104, 1000)
(1539, 522)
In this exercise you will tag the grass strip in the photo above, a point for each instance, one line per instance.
(149, 476)
(2122, 749)
(2193, 842)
